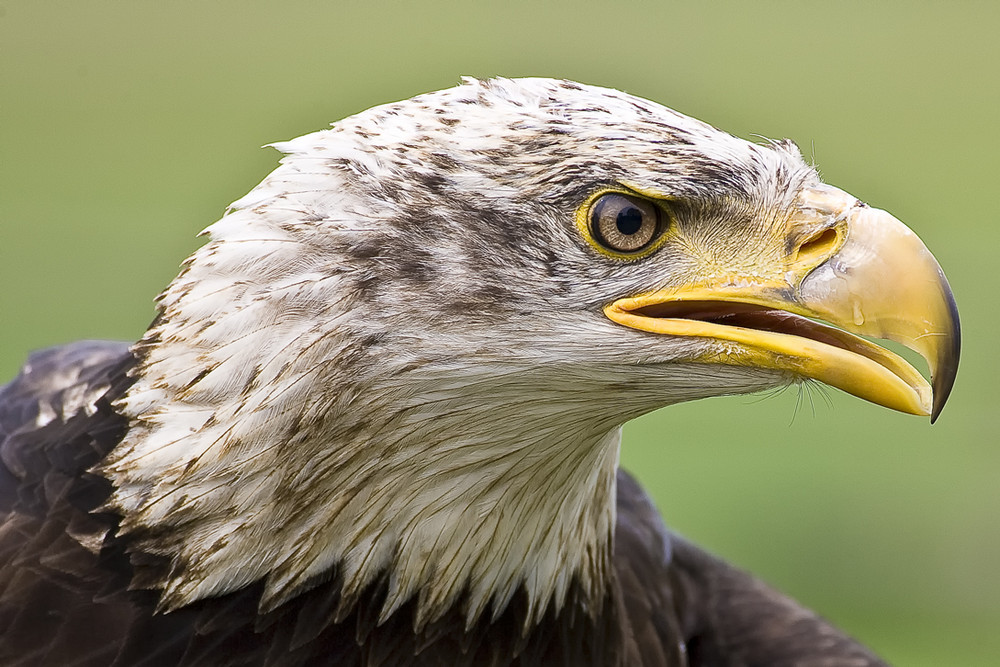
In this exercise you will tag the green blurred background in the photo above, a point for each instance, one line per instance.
(127, 127)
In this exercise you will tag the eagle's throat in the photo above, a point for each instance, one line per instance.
(449, 494)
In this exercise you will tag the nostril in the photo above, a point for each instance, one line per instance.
(824, 239)
(818, 247)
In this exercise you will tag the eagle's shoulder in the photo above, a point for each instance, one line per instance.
(55, 423)
(684, 606)
(56, 420)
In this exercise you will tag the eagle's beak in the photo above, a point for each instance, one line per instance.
(851, 266)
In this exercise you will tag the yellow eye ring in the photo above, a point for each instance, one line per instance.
(623, 225)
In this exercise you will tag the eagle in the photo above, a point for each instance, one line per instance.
(377, 418)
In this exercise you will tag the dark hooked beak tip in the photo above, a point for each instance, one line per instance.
(944, 375)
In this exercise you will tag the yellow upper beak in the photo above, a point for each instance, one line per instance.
(860, 270)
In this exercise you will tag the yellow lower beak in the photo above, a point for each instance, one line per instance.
(878, 279)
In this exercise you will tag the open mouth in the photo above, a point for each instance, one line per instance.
(760, 318)
(765, 336)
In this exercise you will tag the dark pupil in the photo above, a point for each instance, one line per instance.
(629, 220)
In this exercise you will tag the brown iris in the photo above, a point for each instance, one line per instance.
(623, 223)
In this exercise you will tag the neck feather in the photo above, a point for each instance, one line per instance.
(458, 481)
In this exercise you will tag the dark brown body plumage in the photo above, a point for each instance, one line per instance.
(65, 577)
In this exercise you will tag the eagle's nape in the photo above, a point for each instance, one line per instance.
(377, 419)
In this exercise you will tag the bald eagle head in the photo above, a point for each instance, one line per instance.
(405, 356)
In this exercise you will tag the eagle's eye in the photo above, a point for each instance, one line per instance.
(623, 223)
